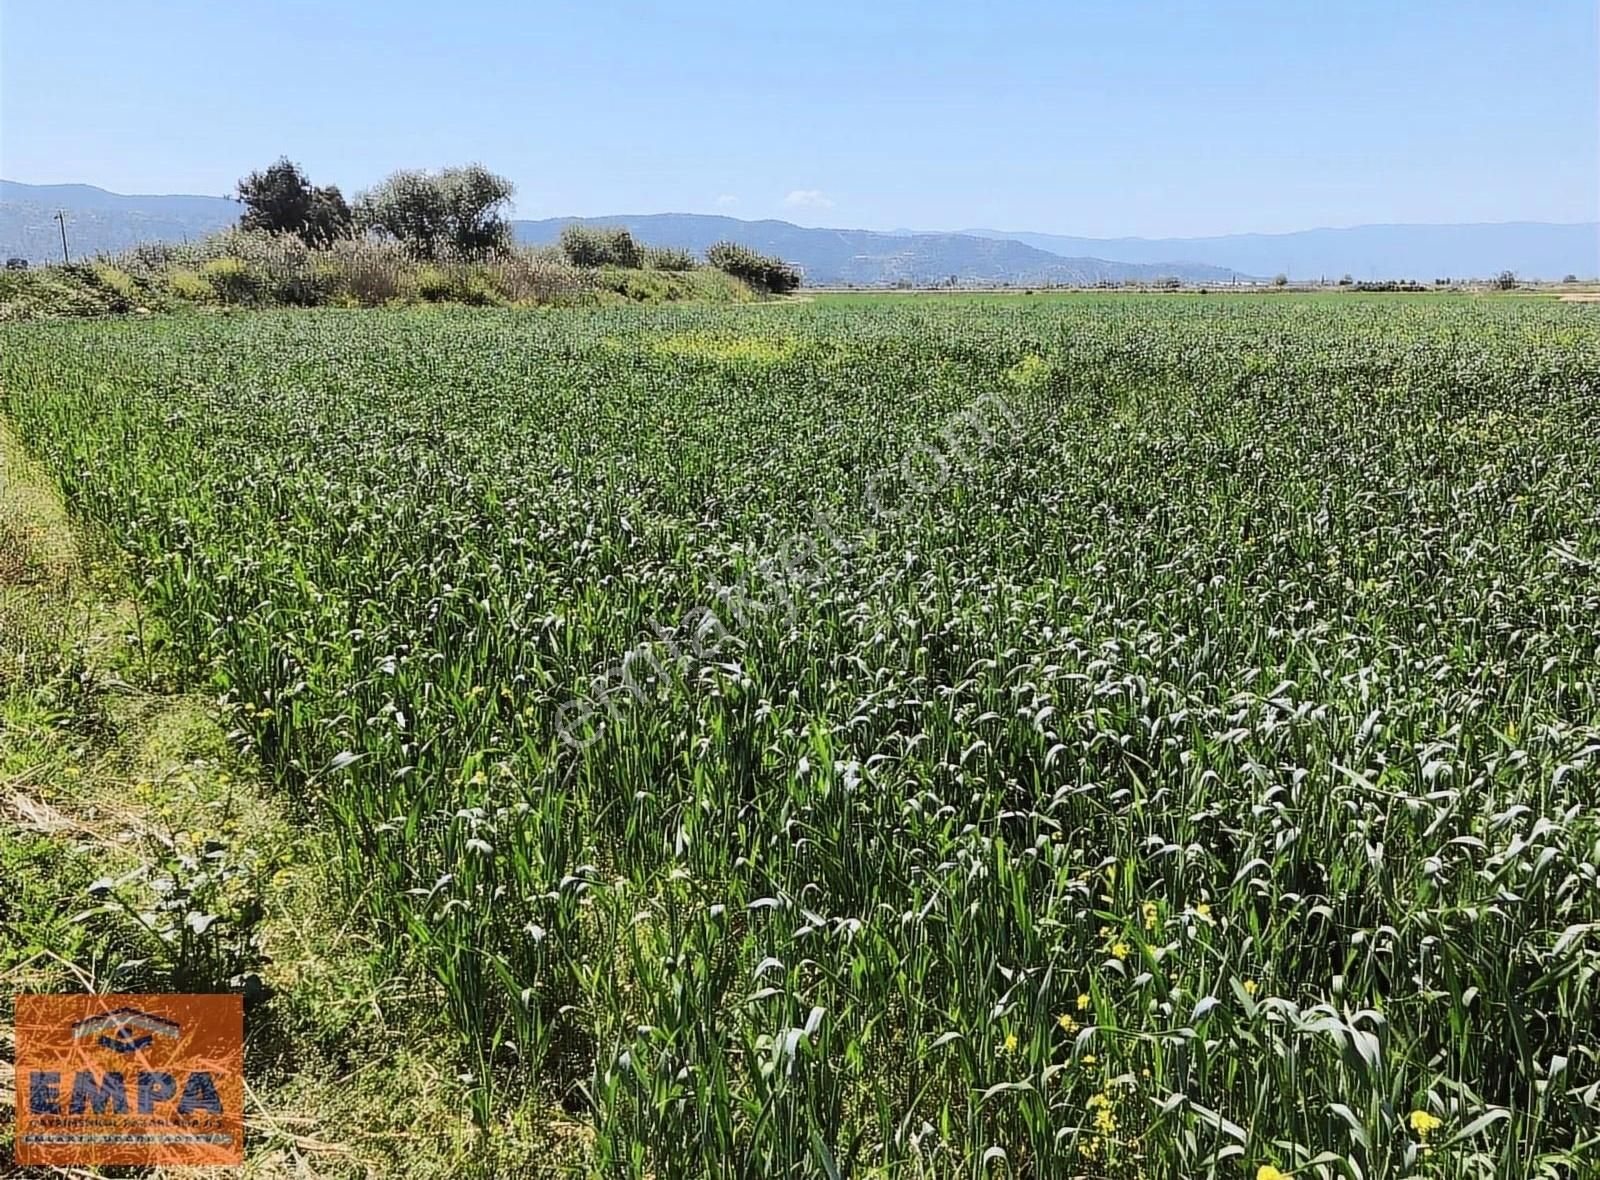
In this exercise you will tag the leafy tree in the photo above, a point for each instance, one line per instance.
(456, 212)
(761, 271)
(1506, 280)
(282, 200)
(1280, 280)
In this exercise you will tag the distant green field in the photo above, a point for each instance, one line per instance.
(1071, 735)
(1056, 296)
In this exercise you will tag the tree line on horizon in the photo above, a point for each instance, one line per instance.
(460, 212)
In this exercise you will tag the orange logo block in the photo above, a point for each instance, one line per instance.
(153, 1079)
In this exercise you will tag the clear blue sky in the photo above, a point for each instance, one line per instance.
(1100, 119)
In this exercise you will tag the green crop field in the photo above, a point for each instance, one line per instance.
(1096, 736)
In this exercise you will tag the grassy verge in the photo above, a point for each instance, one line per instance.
(140, 852)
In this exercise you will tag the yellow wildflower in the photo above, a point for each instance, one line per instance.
(1424, 1123)
(1250, 987)
(1068, 1025)
(1083, 1001)
(1105, 1121)
(1011, 1043)
(1203, 912)
(1148, 909)
(1119, 949)
(1268, 1172)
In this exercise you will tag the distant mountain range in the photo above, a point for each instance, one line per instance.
(99, 222)
(868, 258)
(1532, 249)
(103, 222)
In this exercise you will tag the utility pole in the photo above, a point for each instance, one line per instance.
(61, 218)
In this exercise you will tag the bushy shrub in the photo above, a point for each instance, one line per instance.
(709, 285)
(762, 271)
(187, 284)
(542, 276)
(703, 284)
(281, 268)
(581, 246)
(365, 272)
(117, 283)
(233, 280)
(434, 283)
(49, 291)
(600, 245)
(476, 286)
(641, 286)
(285, 267)
(669, 258)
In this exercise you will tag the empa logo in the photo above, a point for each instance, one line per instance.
(130, 1079)
(126, 1030)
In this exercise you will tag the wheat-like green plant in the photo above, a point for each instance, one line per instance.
(1199, 781)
